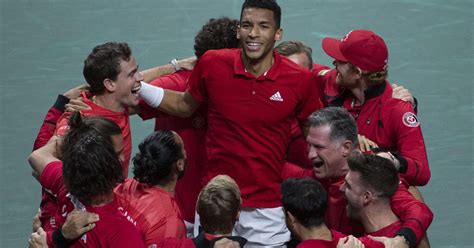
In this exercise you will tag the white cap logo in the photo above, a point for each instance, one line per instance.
(347, 36)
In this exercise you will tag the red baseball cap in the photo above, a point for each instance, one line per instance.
(362, 48)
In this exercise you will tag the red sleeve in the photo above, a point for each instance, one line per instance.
(415, 215)
(49, 239)
(294, 171)
(173, 227)
(49, 123)
(52, 177)
(326, 83)
(318, 68)
(311, 98)
(175, 81)
(197, 82)
(410, 145)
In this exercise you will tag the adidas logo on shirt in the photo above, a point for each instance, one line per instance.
(276, 97)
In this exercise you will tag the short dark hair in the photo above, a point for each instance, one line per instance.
(305, 199)
(90, 165)
(341, 122)
(376, 173)
(218, 205)
(156, 157)
(288, 48)
(104, 62)
(264, 4)
(216, 34)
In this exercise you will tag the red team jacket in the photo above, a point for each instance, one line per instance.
(389, 122)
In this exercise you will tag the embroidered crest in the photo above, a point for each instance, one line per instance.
(198, 122)
(410, 120)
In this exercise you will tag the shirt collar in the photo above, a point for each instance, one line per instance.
(375, 91)
(271, 74)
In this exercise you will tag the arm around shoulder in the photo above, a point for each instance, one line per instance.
(180, 104)
(41, 157)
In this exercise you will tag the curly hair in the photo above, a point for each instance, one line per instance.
(216, 34)
(90, 165)
(157, 156)
(104, 62)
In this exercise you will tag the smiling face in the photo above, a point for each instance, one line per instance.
(127, 84)
(328, 156)
(257, 33)
(347, 75)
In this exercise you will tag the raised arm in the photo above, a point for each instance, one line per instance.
(39, 158)
(411, 151)
(46, 130)
(180, 104)
(415, 215)
(175, 65)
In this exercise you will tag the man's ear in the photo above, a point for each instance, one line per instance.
(346, 148)
(279, 34)
(109, 85)
(237, 34)
(368, 197)
(237, 217)
(291, 218)
(358, 73)
(180, 163)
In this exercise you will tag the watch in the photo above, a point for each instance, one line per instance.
(175, 63)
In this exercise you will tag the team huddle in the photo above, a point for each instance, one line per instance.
(254, 146)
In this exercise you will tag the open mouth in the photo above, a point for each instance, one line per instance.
(253, 46)
(136, 89)
(318, 164)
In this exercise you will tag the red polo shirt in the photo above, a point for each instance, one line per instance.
(249, 119)
(193, 132)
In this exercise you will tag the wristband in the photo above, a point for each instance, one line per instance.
(152, 95)
(408, 235)
(175, 63)
(59, 240)
(61, 101)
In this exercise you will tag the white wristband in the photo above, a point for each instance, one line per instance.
(152, 95)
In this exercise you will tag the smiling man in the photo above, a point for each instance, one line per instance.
(253, 95)
(112, 74)
(332, 139)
